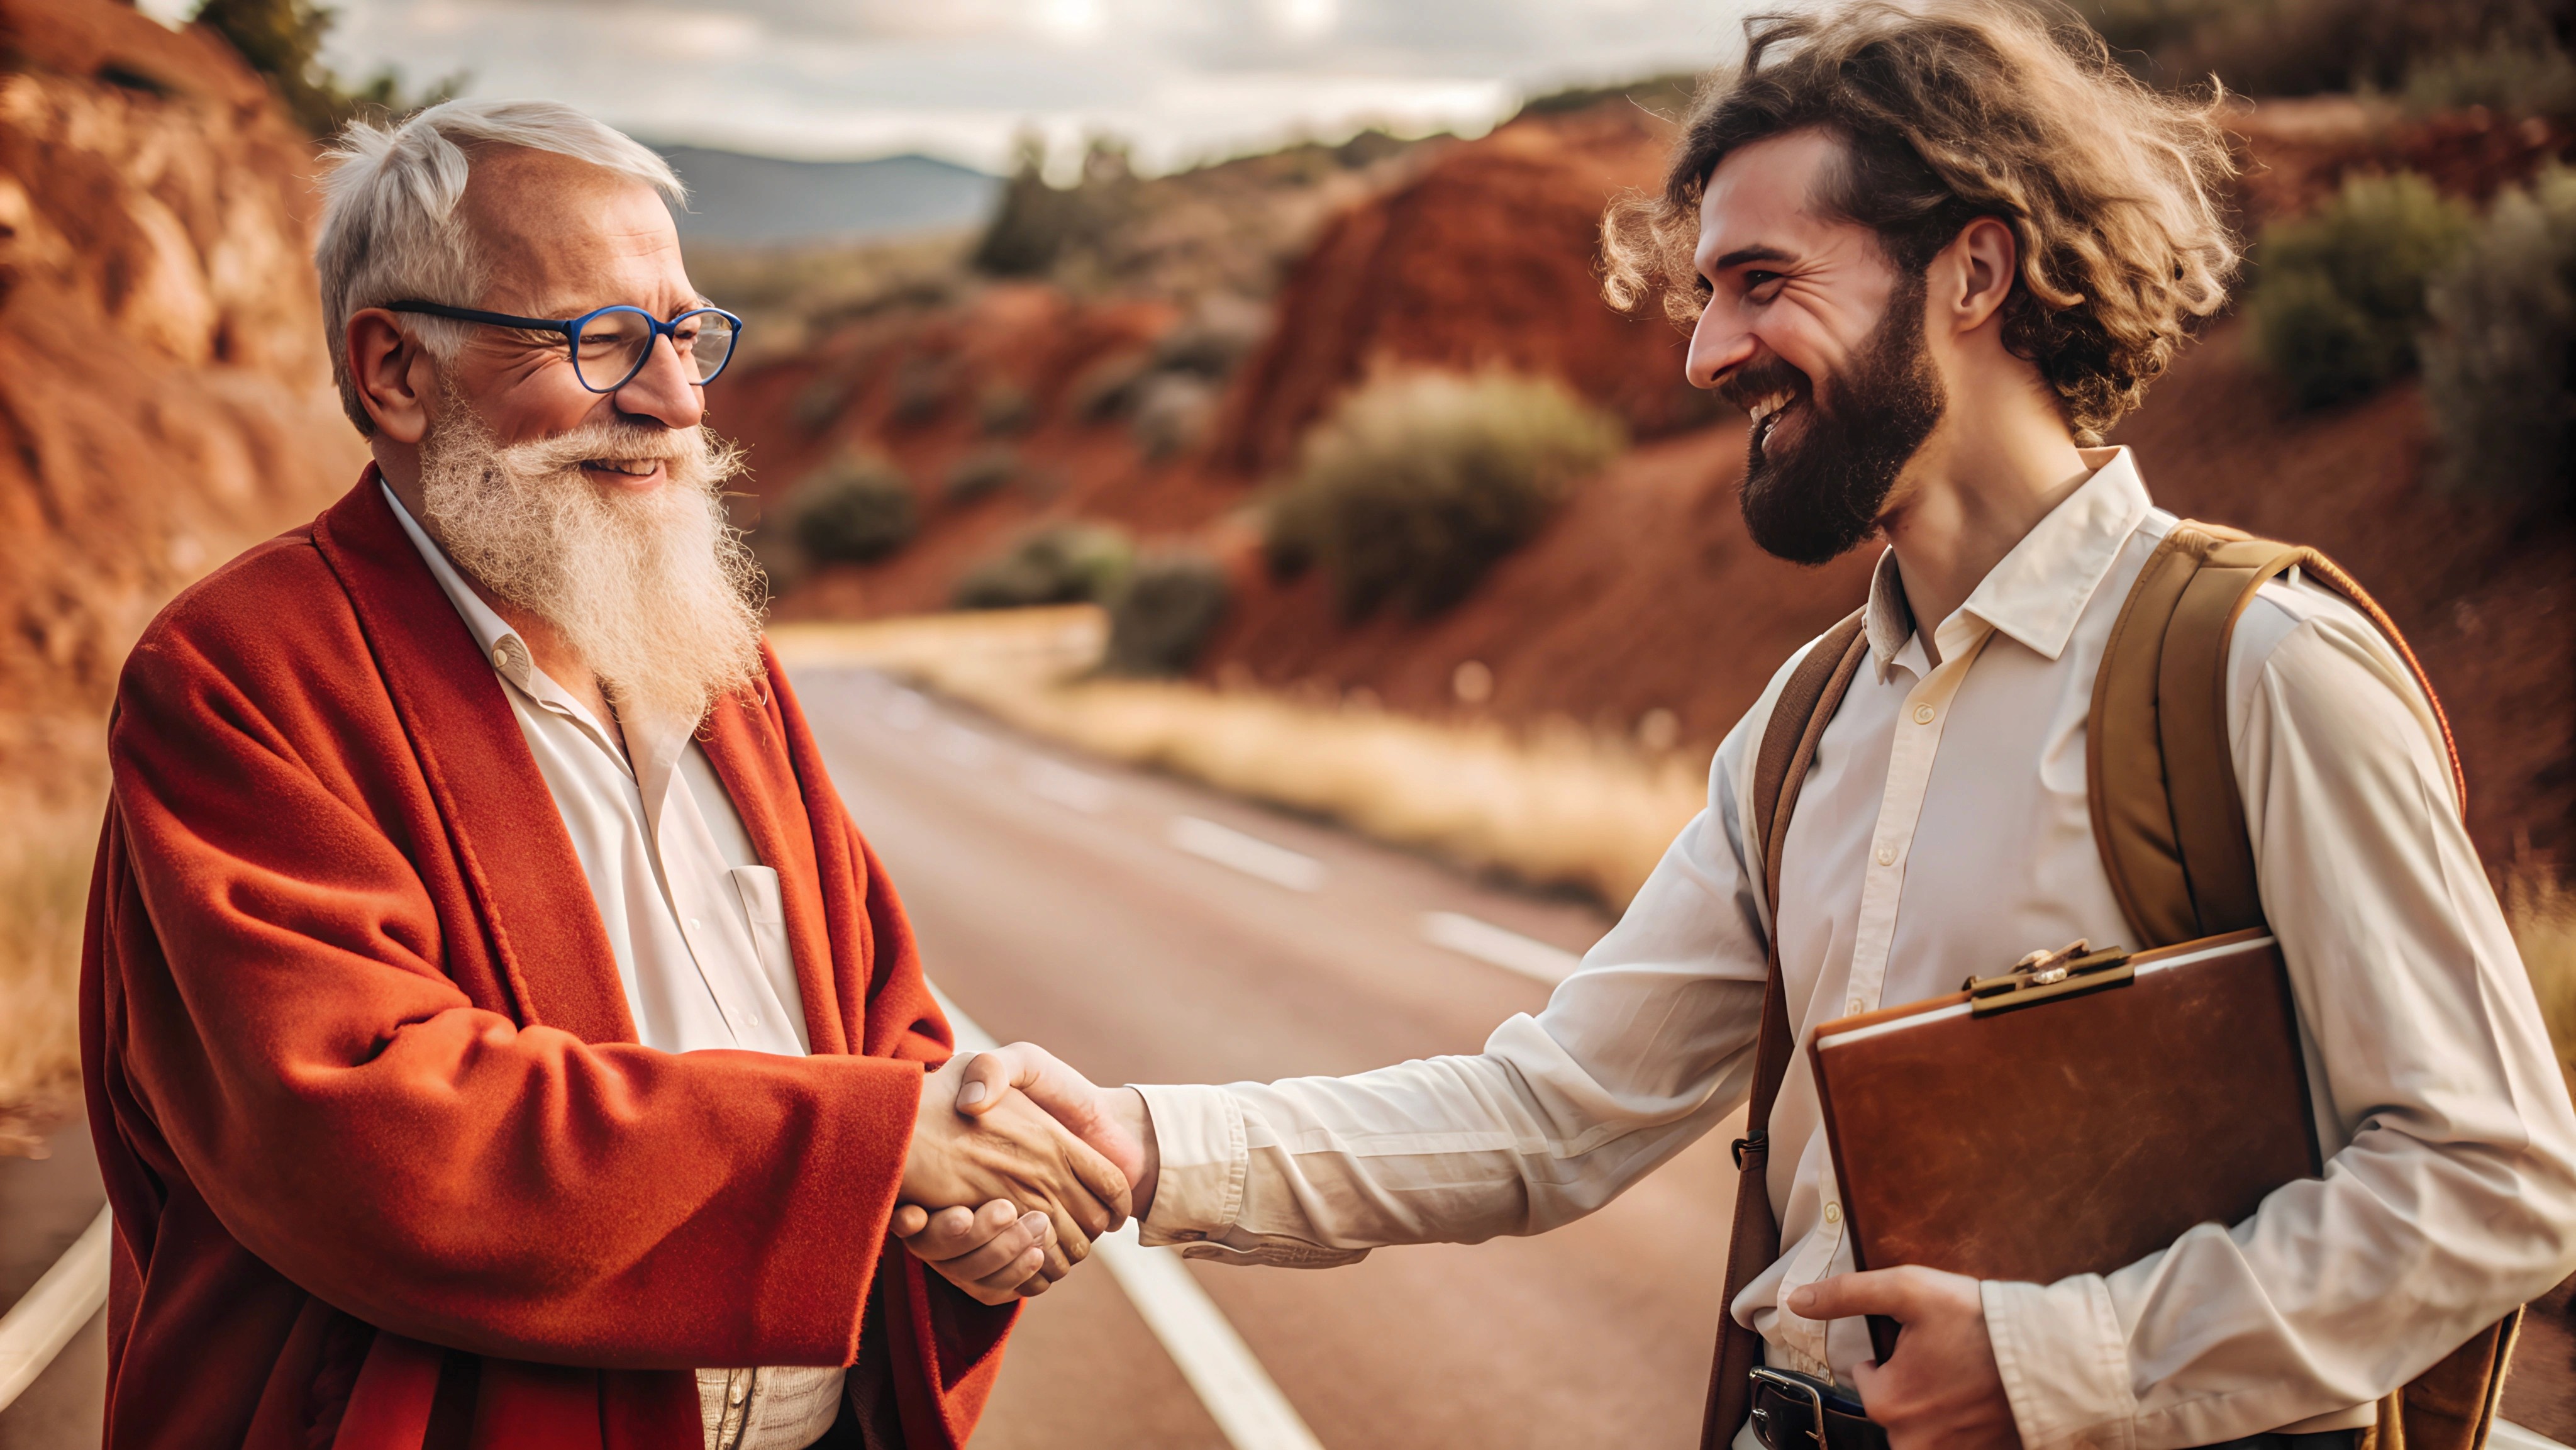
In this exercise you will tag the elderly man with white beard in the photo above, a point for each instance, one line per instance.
(495, 1029)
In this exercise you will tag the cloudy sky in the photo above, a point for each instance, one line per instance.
(1182, 80)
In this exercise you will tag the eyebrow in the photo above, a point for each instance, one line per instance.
(1742, 255)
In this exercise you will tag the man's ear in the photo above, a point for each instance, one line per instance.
(1986, 257)
(393, 374)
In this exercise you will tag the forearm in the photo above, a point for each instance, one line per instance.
(1452, 1149)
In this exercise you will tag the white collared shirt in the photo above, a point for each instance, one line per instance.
(1946, 830)
(693, 917)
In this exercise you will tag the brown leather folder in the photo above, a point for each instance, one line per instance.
(2070, 1116)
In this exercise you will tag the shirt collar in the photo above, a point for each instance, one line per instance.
(2038, 590)
(492, 634)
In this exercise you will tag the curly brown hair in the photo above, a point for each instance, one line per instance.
(1960, 109)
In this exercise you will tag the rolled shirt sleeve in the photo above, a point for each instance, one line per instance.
(2450, 1193)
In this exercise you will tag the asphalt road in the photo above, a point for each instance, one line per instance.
(1053, 905)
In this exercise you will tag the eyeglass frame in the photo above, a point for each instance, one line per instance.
(571, 330)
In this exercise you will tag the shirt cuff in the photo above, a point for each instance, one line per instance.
(1198, 1188)
(2065, 1363)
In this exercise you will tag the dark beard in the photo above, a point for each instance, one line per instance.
(1814, 501)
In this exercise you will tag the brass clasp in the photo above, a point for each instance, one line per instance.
(2044, 975)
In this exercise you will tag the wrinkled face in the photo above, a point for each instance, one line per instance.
(602, 513)
(559, 238)
(1813, 332)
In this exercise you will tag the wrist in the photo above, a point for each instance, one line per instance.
(1128, 1105)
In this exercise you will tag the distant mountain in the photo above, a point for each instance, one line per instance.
(768, 200)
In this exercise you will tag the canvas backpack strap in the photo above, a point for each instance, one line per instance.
(1798, 719)
(2170, 824)
(2166, 813)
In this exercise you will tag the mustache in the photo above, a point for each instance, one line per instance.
(1755, 381)
(618, 440)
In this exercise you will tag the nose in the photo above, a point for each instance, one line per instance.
(1718, 346)
(664, 390)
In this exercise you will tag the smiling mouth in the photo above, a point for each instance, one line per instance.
(629, 467)
(1766, 410)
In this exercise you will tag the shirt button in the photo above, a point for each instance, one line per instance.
(752, 1020)
(1887, 855)
(1851, 1006)
(1833, 1213)
(693, 923)
(1923, 714)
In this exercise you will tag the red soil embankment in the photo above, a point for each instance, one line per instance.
(164, 395)
(921, 386)
(1487, 259)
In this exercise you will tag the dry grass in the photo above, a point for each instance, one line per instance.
(44, 884)
(1552, 807)
(2542, 909)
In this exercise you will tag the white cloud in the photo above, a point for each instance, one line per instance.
(1182, 80)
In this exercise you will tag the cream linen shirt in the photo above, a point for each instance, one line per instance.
(693, 917)
(1945, 830)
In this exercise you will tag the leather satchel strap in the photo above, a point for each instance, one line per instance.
(1798, 719)
(2170, 824)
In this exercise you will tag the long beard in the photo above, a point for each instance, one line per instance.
(1813, 500)
(656, 592)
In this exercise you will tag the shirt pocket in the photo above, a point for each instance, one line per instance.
(765, 911)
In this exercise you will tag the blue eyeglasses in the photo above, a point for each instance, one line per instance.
(609, 346)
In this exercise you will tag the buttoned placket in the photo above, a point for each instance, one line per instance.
(666, 811)
(1921, 717)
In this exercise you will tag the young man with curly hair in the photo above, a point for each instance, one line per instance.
(1936, 252)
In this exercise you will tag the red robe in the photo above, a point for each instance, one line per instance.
(385, 1157)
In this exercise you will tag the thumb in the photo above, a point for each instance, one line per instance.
(1847, 1296)
(1066, 1095)
(988, 1079)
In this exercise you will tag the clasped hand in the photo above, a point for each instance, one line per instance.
(1002, 1152)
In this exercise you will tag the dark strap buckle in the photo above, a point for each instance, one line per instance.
(1759, 1140)
(1795, 1386)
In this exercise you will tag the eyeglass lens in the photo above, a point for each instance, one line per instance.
(612, 346)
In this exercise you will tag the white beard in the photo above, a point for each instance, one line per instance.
(655, 592)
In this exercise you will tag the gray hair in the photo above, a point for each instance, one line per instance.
(390, 232)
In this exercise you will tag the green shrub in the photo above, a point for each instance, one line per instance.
(1003, 409)
(983, 473)
(2535, 79)
(1060, 564)
(283, 41)
(2500, 358)
(1418, 482)
(855, 509)
(2340, 295)
(1038, 225)
(1163, 615)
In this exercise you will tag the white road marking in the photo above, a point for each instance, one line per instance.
(1250, 855)
(1238, 1393)
(44, 1320)
(1489, 943)
(1066, 786)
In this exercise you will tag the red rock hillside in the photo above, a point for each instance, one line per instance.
(164, 395)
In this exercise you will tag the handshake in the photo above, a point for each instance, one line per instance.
(1017, 1163)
